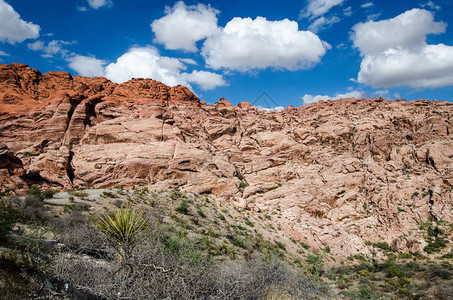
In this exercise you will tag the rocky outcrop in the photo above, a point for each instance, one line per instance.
(11, 171)
(333, 173)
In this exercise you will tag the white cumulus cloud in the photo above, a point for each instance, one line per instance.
(367, 4)
(316, 8)
(205, 80)
(36, 46)
(146, 62)
(12, 28)
(96, 4)
(87, 65)
(315, 98)
(183, 26)
(429, 67)
(406, 31)
(395, 52)
(246, 44)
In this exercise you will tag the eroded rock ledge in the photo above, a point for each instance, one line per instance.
(335, 173)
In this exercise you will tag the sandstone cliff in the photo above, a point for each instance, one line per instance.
(336, 173)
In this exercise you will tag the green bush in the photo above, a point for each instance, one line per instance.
(8, 216)
(183, 207)
(41, 194)
(201, 213)
(391, 269)
(74, 207)
(434, 245)
(381, 245)
(236, 241)
(109, 194)
(316, 262)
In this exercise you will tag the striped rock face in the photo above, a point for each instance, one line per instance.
(332, 173)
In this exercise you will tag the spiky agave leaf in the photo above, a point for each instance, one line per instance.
(122, 226)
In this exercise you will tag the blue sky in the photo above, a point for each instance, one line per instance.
(296, 51)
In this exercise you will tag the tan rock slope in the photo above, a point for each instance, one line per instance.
(336, 173)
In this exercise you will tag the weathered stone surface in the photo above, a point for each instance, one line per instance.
(336, 173)
(11, 171)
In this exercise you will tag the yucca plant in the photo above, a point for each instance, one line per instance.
(124, 229)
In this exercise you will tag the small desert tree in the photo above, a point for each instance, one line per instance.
(124, 228)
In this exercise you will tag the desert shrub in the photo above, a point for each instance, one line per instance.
(109, 194)
(243, 185)
(381, 245)
(448, 256)
(74, 207)
(444, 292)
(316, 264)
(362, 294)
(183, 208)
(201, 213)
(259, 278)
(80, 194)
(19, 281)
(439, 271)
(238, 242)
(405, 255)
(169, 265)
(31, 241)
(31, 208)
(248, 222)
(8, 216)
(392, 269)
(41, 194)
(434, 245)
(78, 234)
(280, 245)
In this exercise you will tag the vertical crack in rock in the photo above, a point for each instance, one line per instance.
(69, 168)
(90, 112)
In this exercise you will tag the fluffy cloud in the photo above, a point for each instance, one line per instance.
(246, 44)
(87, 65)
(146, 62)
(3, 53)
(243, 44)
(96, 4)
(406, 31)
(316, 8)
(322, 23)
(36, 46)
(12, 28)
(206, 80)
(184, 25)
(395, 52)
(429, 67)
(52, 48)
(352, 94)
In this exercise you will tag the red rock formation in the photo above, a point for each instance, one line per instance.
(11, 170)
(245, 105)
(337, 172)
